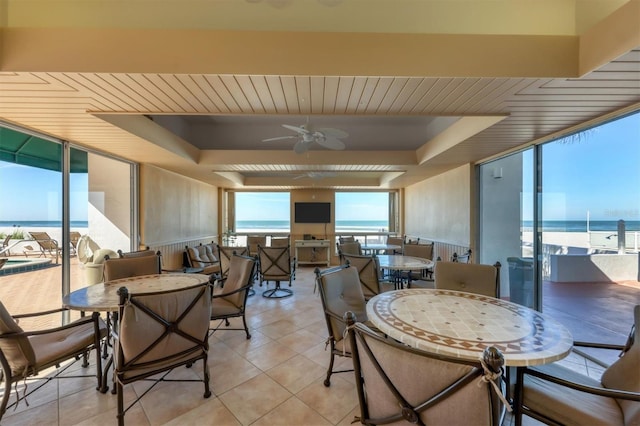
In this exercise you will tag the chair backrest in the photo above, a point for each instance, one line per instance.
(462, 258)
(125, 267)
(275, 263)
(74, 236)
(448, 391)
(224, 254)
(350, 248)
(253, 242)
(161, 330)
(623, 373)
(396, 241)
(351, 239)
(138, 253)
(15, 347)
(202, 256)
(368, 268)
(44, 240)
(340, 292)
(424, 251)
(468, 277)
(280, 242)
(240, 274)
(5, 243)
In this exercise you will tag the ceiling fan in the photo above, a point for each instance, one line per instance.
(307, 136)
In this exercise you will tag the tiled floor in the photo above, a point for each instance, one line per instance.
(275, 378)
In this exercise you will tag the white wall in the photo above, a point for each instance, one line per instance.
(439, 208)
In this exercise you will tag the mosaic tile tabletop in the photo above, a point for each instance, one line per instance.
(403, 263)
(462, 325)
(104, 297)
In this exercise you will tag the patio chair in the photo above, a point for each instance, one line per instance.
(204, 256)
(469, 277)
(352, 247)
(398, 384)
(125, 267)
(462, 258)
(24, 354)
(3, 261)
(138, 253)
(284, 242)
(347, 239)
(396, 241)
(74, 237)
(368, 269)
(275, 265)
(159, 332)
(5, 246)
(224, 255)
(554, 394)
(231, 302)
(340, 292)
(47, 245)
(423, 251)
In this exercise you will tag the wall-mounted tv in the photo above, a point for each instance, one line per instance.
(312, 213)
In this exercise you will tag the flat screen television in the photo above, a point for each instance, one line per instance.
(312, 212)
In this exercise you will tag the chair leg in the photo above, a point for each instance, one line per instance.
(120, 414)
(327, 381)
(7, 390)
(246, 328)
(205, 365)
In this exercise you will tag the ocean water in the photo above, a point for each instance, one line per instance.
(350, 225)
(284, 225)
(25, 224)
(581, 225)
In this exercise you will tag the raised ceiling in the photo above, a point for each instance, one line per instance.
(197, 96)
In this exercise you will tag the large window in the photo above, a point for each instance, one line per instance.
(363, 212)
(262, 212)
(573, 241)
(33, 189)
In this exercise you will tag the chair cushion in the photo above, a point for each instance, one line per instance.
(220, 307)
(17, 350)
(203, 256)
(468, 277)
(55, 346)
(624, 374)
(568, 406)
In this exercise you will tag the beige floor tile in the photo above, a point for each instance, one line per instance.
(292, 412)
(297, 373)
(349, 419)
(172, 399)
(44, 414)
(254, 398)
(79, 406)
(212, 412)
(269, 355)
(279, 328)
(301, 340)
(242, 345)
(333, 402)
(229, 373)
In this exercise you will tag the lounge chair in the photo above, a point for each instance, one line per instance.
(47, 244)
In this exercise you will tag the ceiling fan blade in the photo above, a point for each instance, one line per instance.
(296, 129)
(331, 143)
(301, 147)
(279, 138)
(335, 133)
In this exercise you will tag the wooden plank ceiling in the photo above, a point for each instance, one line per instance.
(212, 125)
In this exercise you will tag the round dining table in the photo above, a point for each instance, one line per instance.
(103, 297)
(377, 248)
(462, 325)
(397, 264)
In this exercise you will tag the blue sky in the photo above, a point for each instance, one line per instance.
(598, 172)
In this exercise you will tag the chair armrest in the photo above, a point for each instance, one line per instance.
(611, 393)
(599, 345)
(77, 323)
(41, 313)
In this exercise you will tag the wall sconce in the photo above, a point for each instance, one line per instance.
(497, 173)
